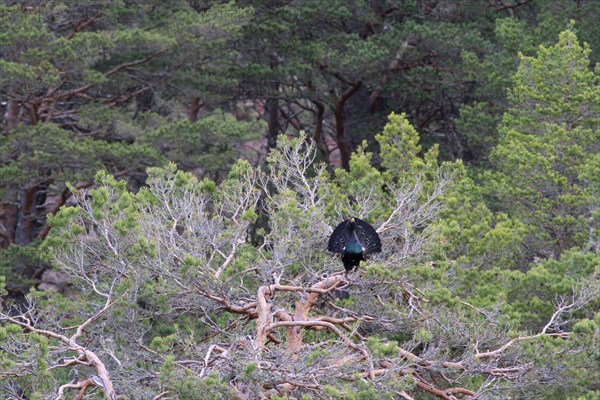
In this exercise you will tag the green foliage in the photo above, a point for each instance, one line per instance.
(474, 237)
(162, 344)
(362, 179)
(478, 122)
(521, 238)
(382, 349)
(33, 347)
(208, 145)
(15, 261)
(585, 326)
(548, 138)
(249, 370)
(399, 146)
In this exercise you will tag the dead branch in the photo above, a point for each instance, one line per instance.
(303, 307)
(332, 328)
(562, 308)
(82, 386)
(263, 309)
(86, 356)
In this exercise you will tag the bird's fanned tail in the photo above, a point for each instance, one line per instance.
(368, 237)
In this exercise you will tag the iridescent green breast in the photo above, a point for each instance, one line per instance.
(353, 248)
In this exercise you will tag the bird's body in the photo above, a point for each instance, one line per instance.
(354, 239)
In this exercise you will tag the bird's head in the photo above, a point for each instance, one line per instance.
(351, 224)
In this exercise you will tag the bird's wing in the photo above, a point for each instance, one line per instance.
(368, 237)
(337, 241)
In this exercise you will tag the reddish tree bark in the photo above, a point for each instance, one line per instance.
(12, 114)
(318, 135)
(273, 111)
(339, 124)
(195, 106)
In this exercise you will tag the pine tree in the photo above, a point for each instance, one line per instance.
(549, 141)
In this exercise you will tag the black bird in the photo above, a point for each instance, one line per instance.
(355, 239)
